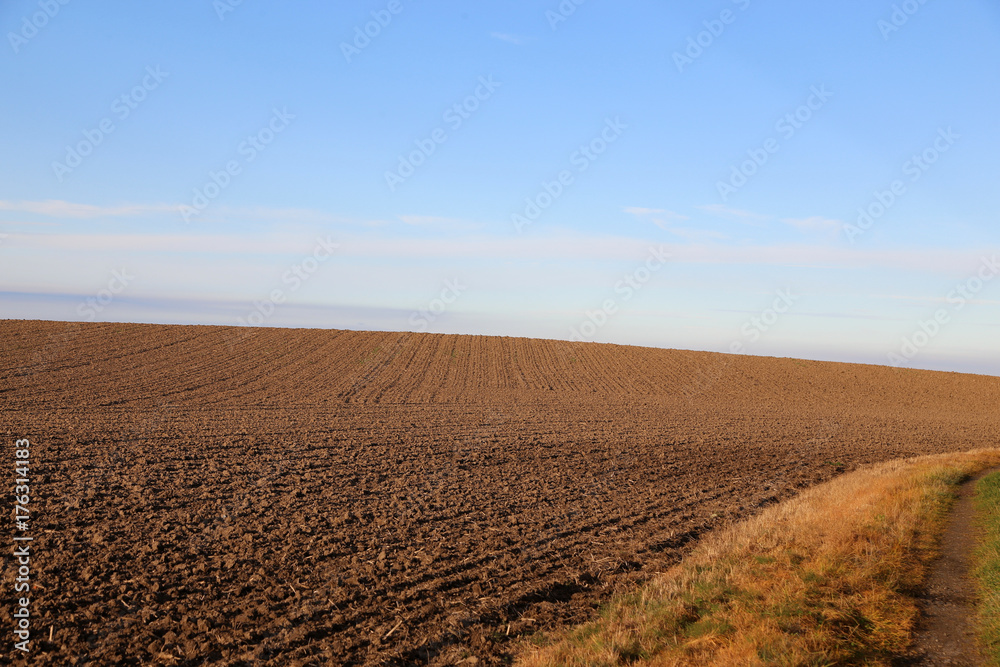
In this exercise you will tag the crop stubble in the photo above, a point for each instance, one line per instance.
(220, 495)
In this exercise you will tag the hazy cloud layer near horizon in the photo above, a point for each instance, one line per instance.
(767, 178)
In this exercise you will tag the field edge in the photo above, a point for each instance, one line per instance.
(829, 576)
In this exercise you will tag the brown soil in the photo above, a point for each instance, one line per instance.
(947, 634)
(217, 495)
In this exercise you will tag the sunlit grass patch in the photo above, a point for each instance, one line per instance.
(828, 577)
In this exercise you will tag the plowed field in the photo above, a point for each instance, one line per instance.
(218, 495)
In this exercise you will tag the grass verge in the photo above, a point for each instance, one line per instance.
(828, 577)
(987, 569)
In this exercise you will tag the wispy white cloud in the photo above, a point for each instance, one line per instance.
(699, 235)
(507, 37)
(438, 222)
(660, 217)
(65, 210)
(566, 245)
(655, 212)
(933, 299)
(734, 213)
(302, 216)
(122, 244)
(666, 220)
(58, 208)
(25, 223)
(816, 223)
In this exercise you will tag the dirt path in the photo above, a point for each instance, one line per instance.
(947, 634)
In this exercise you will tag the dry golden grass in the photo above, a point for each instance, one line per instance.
(826, 578)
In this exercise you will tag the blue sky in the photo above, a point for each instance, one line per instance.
(685, 175)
